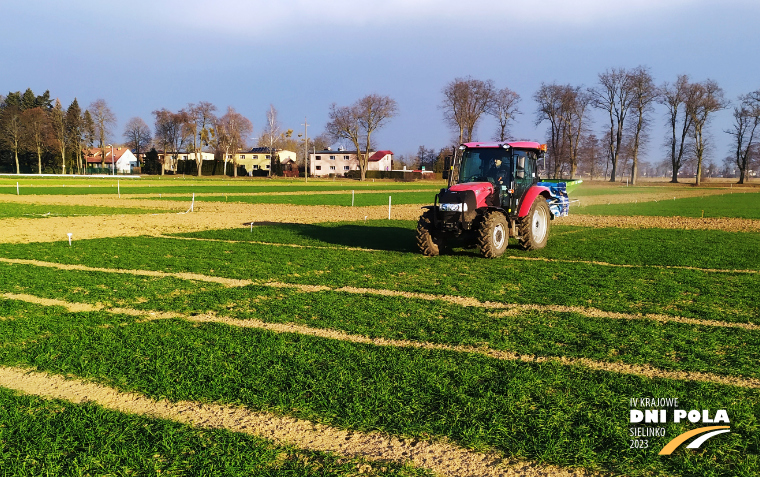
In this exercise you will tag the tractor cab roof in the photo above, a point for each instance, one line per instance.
(516, 144)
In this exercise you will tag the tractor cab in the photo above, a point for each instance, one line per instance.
(509, 168)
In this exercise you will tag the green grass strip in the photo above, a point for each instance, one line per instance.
(360, 200)
(568, 416)
(34, 211)
(51, 437)
(740, 204)
(162, 187)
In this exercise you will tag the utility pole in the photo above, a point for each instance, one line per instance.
(305, 149)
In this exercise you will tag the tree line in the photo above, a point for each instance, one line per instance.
(37, 133)
(626, 98)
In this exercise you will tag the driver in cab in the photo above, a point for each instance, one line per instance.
(496, 172)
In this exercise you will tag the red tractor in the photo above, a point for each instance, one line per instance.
(494, 193)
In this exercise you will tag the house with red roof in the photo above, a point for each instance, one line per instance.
(124, 159)
(328, 161)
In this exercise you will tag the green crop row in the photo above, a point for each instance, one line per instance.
(564, 415)
(681, 292)
(670, 346)
(740, 204)
(156, 187)
(8, 210)
(359, 200)
(44, 437)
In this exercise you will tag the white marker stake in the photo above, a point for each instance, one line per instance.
(251, 227)
(365, 220)
(192, 203)
(17, 188)
(69, 234)
(352, 198)
(389, 207)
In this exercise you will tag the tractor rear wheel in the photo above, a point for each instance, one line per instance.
(493, 235)
(429, 240)
(534, 227)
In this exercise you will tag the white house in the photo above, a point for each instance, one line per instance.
(324, 163)
(125, 159)
(171, 164)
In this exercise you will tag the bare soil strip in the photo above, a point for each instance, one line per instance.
(624, 265)
(222, 215)
(228, 282)
(613, 367)
(456, 300)
(645, 222)
(442, 458)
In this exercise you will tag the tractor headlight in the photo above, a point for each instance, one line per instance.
(453, 207)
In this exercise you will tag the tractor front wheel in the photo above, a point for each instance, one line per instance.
(429, 240)
(534, 227)
(493, 235)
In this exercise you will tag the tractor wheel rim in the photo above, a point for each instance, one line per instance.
(540, 221)
(498, 236)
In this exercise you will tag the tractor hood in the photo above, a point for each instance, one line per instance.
(482, 191)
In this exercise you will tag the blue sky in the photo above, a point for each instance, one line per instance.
(301, 56)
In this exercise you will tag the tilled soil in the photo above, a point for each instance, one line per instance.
(222, 215)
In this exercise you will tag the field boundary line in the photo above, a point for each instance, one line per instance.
(292, 245)
(228, 282)
(644, 370)
(455, 300)
(628, 265)
(440, 457)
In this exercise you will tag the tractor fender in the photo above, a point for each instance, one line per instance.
(530, 196)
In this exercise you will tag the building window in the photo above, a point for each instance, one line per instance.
(267, 166)
(255, 156)
(332, 168)
(345, 168)
(255, 167)
(319, 168)
(242, 156)
(268, 156)
(318, 158)
(229, 156)
(345, 158)
(184, 157)
(332, 158)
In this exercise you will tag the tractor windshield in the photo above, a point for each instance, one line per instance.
(485, 165)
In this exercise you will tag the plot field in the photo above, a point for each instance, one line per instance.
(455, 365)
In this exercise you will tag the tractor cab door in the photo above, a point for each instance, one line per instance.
(525, 175)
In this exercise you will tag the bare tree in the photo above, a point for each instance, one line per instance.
(37, 134)
(504, 108)
(591, 155)
(137, 134)
(357, 122)
(200, 127)
(10, 127)
(464, 102)
(703, 99)
(270, 136)
(232, 130)
(673, 97)
(645, 93)
(565, 107)
(746, 120)
(104, 120)
(614, 95)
